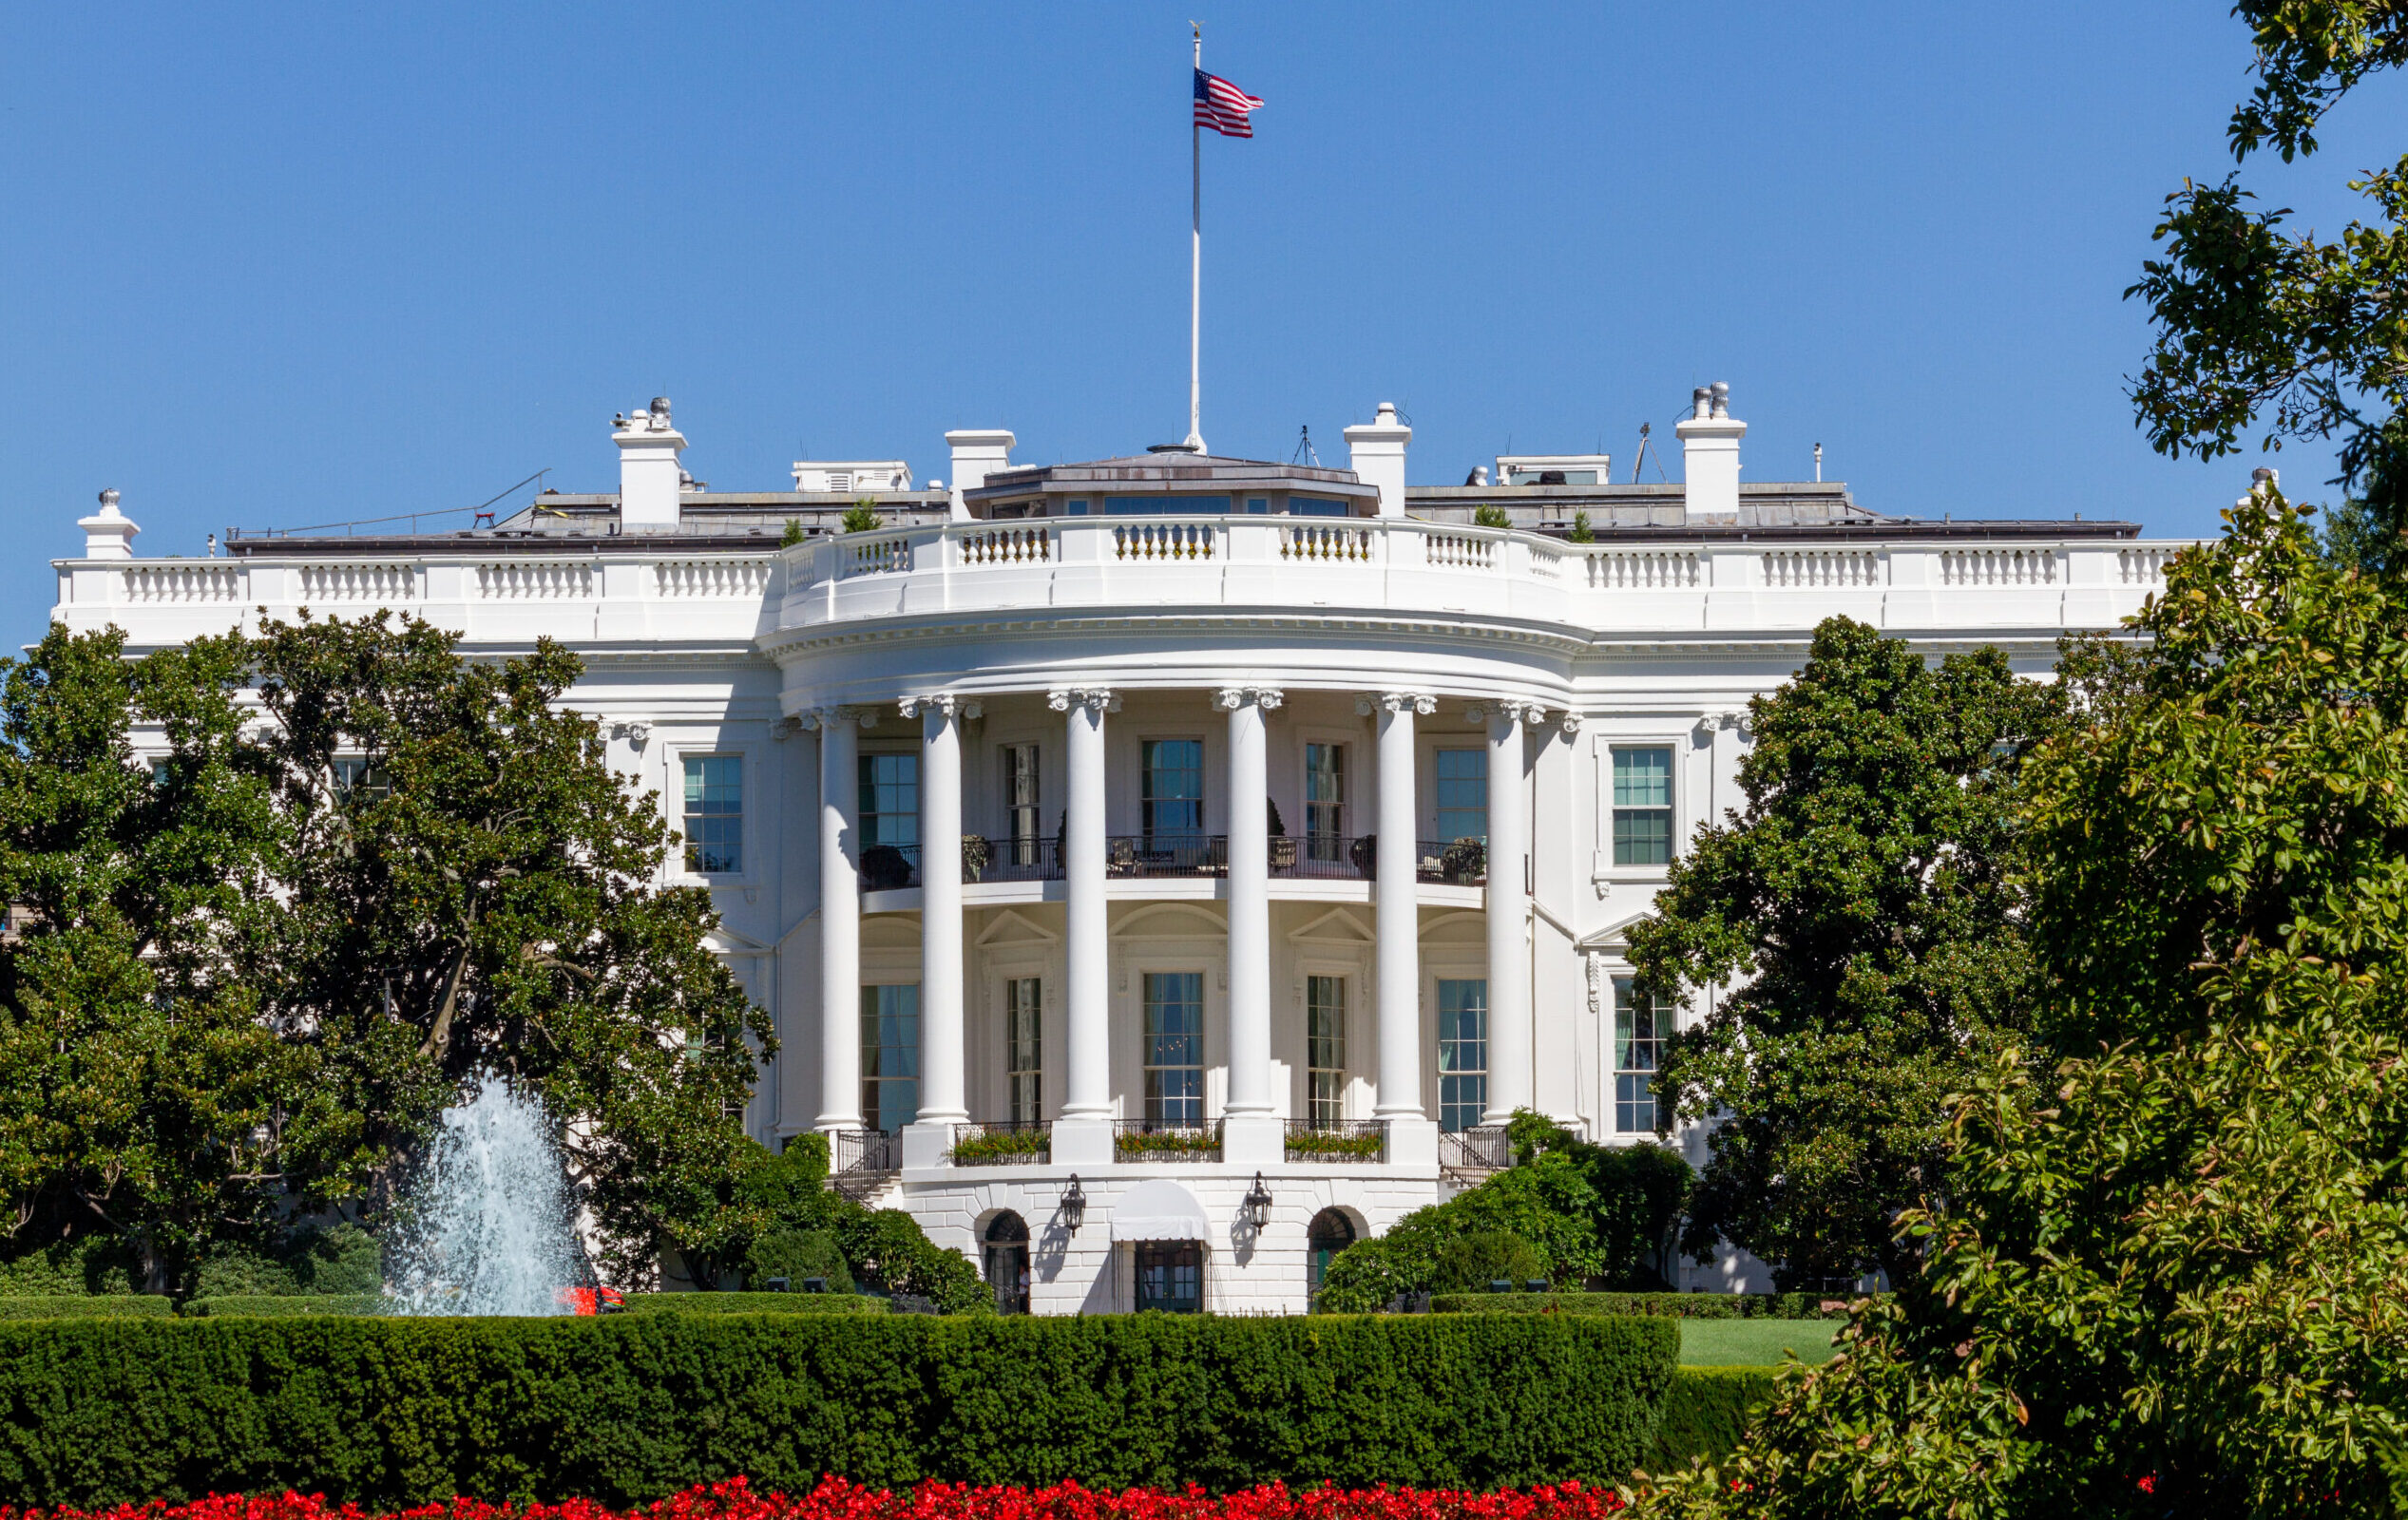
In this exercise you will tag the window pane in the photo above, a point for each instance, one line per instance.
(1639, 1023)
(1325, 800)
(713, 813)
(1642, 806)
(889, 799)
(1642, 778)
(1324, 1050)
(1174, 1047)
(1462, 795)
(890, 1056)
(1021, 804)
(1172, 786)
(1024, 1050)
(1463, 1054)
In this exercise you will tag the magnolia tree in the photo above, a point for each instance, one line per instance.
(2174, 1274)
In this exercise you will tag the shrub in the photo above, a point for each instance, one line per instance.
(835, 1499)
(1705, 1413)
(281, 1305)
(1474, 1261)
(795, 1255)
(862, 517)
(844, 1303)
(636, 1406)
(101, 1264)
(337, 1258)
(86, 1306)
(1489, 516)
(884, 1247)
(1676, 1305)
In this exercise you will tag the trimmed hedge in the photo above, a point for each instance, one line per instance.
(630, 1408)
(1679, 1306)
(755, 1303)
(86, 1306)
(1706, 1413)
(282, 1305)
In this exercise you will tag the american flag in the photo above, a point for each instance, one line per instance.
(1222, 105)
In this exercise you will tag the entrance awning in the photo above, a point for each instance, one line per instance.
(1159, 1211)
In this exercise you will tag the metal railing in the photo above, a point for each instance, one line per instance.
(1166, 855)
(860, 1162)
(1023, 860)
(1336, 1140)
(889, 867)
(1477, 1150)
(1339, 856)
(1452, 862)
(1003, 1142)
(1164, 1140)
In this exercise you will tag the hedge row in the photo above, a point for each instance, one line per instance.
(629, 1408)
(1678, 1305)
(282, 1305)
(755, 1303)
(86, 1306)
(1706, 1413)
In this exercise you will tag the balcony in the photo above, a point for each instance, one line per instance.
(1003, 1142)
(862, 1161)
(1355, 1140)
(1154, 1142)
(1467, 1157)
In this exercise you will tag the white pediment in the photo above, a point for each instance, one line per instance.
(1337, 926)
(1009, 928)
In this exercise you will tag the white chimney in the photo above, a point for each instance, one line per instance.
(978, 452)
(1377, 450)
(108, 534)
(1710, 455)
(648, 470)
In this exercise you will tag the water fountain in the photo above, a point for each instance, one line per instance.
(487, 1224)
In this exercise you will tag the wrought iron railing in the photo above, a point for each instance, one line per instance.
(1022, 859)
(889, 867)
(1166, 855)
(1483, 1148)
(1452, 862)
(1003, 1142)
(860, 1162)
(1336, 1140)
(1337, 855)
(1164, 1140)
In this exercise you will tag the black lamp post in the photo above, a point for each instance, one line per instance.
(1259, 1205)
(1074, 1206)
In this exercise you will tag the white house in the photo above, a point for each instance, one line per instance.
(1163, 870)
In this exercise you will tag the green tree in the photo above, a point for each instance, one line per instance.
(862, 517)
(2178, 1249)
(1861, 915)
(1490, 515)
(2255, 322)
(471, 888)
(1581, 532)
(142, 1096)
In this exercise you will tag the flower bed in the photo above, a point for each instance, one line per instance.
(836, 1499)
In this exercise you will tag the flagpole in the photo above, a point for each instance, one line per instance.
(1196, 269)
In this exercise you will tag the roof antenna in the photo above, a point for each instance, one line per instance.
(1818, 463)
(1636, 465)
(1303, 447)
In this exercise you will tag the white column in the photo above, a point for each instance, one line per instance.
(1396, 896)
(1251, 1130)
(839, 921)
(1508, 905)
(1082, 1136)
(942, 1097)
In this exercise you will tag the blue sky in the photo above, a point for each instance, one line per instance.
(287, 265)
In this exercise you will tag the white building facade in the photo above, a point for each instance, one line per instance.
(1164, 870)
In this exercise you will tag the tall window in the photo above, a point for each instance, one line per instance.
(364, 781)
(1174, 1047)
(1642, 806)
(1462, 795)
(1008, 1263)
(1170, 1277)
(890, 1056)
(1325, 802)
(1463, 1054)
(1021, 801)
(1023, 1055)
(891, 799)
(1171, 790)
(1324, 1050)
(1330, 1233)
(1638, 1047)
(713, 813)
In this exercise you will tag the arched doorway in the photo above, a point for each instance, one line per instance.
(1330, 1233)
(1007, 1261)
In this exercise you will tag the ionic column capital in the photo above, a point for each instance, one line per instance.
(1571, 723)
(1095, 699)
(1371, 702)
(1512, 708)
(944, 702)
(1229, 698)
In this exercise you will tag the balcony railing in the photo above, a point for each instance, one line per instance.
(889, 867)
(1336, 1140)
(1003, 1142)
(1452, 862)
(860, 1162)
(1475, 1152)
(1018, 859)
(1166, 855)
(1337, 857)
(1162, 1140)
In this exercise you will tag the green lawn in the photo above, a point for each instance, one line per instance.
(1755, 1343)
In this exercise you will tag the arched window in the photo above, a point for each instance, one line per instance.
(1007, 1261)
(1330, 1233)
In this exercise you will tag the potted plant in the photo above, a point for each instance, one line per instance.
(976, 852)
(1465, 862)
(1283, 850)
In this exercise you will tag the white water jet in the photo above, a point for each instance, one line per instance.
(488, 1225)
